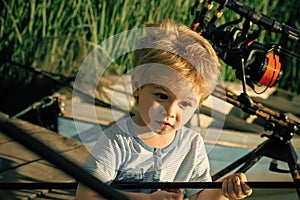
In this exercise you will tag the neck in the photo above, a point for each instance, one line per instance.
(152, 139)
(159, 141)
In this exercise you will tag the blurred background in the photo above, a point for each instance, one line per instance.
(43, 43)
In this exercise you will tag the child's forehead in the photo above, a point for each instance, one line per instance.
(157, 73)
(180, 91)
(158, 86)
(164, 88)
(162, 76)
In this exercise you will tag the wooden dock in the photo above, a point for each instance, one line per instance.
(20, 165)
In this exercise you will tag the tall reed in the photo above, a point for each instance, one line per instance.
(57, 35)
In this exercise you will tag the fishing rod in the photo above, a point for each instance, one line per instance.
(248, 13)
(11, 129)
(149, 185)
(254, 108)
(254, 63)
(235, 41)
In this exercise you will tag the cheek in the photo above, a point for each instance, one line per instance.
(187, 114)
(150, 112)
(155, 111)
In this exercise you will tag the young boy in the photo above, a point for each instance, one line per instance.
(175, 70)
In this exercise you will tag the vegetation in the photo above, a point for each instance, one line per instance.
(55, 36)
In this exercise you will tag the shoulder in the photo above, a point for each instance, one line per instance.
(118, 129)
(113, 140)
(190, 134)
(113, 136)
(190, 140)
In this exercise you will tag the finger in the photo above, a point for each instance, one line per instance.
(242, 177)
(225, 188)
(246, 189)
(228, 188)
(177, 196)
(238, 188)
(173, 190)
(231, 187)
(178, 191)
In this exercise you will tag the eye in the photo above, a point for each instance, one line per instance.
(184, 104)
(161, 96)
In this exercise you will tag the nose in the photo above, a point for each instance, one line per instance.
(171, 108)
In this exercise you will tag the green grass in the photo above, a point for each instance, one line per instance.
(57, 35)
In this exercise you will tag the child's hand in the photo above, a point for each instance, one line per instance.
(168, 194)
(234, 186)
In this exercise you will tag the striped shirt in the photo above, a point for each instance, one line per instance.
(120, 156)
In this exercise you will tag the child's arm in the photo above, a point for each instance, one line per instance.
(233, 187)
(158, 195)
(84, 193)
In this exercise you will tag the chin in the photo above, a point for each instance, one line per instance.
(166, 132)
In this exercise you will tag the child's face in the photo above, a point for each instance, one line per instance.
(161, 110)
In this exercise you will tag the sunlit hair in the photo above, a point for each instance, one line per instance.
(177, 46)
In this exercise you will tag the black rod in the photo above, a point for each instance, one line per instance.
(258, 18)
(149, 185)
(172, 185)
(12, 130)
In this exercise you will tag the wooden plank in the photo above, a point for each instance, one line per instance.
(91, 113)
(13, 155)
(57, 194)
(78, 155)
(27, 194)
(35, 172)
(20, 165)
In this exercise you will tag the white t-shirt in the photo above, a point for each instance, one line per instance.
(120, 156)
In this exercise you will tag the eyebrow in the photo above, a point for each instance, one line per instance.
(192, 99)
(157, 86)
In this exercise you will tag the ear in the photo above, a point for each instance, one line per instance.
(136, 93)
(135, 86)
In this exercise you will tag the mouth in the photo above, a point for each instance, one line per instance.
(163, 124)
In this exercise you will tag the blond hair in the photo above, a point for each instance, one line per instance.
(184, 50)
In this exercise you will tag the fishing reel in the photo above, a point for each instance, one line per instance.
(259, 63)
(255, 63)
